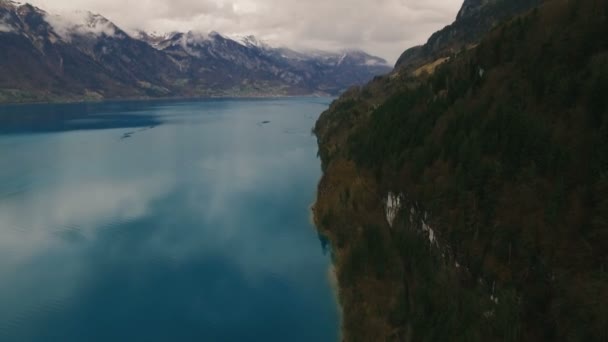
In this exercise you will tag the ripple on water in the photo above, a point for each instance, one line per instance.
(118, 226)
(12, 191)
(74, 232)
(19, 229)
(18, 324)
(19, 187)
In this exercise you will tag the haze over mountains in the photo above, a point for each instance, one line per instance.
(46, 57)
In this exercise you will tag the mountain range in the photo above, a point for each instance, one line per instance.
(46, 57)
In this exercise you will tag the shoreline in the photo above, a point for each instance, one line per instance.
(332, 272)
(169, 98)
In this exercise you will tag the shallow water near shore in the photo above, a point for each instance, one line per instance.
(162, 220)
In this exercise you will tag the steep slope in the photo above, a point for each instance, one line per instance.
(31, 65)
(124, 58)
(470, 204)
(39, 63)
(474, 20)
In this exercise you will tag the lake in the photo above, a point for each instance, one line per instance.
(162, 221)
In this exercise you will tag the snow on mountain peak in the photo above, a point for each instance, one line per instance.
(155, 39)
(250, 41)
(79, 23)
(188, 40)
(375, 62)
(197, 38)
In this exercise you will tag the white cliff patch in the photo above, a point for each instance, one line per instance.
(431, 233)
(420, 220)
(494, 297)
(393, 205)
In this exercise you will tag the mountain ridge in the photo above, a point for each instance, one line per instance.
(473, 19)
(47, 57)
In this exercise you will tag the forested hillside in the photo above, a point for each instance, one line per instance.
(495, 166)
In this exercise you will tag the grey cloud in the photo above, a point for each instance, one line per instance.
(79, 23)
(382, 27)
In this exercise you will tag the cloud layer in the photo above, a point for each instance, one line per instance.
(382, 27)
(79, 23)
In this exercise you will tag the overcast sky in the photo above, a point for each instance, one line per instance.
(381, 27)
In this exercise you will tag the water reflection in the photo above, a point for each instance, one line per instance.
(20, 119)
(197, 229)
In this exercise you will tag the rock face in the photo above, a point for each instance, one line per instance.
(44, 57)
(470, 7)
(470, 202)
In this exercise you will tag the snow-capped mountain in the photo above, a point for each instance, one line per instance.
(84, 55)
(251, 41)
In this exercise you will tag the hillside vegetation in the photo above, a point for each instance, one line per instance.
(500, 160)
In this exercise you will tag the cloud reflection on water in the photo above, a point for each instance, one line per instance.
(211, 199)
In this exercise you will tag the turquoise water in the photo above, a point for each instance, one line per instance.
(162, 221)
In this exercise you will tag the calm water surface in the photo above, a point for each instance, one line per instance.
(162, 221)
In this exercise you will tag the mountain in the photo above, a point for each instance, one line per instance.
(222, 62)
(467, 202)
(475, 18)
(45, 57)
